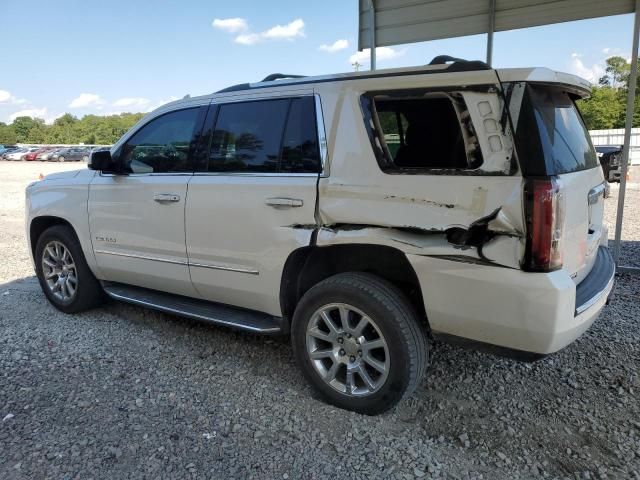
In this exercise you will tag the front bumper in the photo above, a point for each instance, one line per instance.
(533, 314)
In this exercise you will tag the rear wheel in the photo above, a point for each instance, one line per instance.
(63, 273)
(61, 158)
(359, 342)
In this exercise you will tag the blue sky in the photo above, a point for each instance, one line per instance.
(103, 57)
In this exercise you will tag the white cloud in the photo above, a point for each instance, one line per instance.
(231, 25)
(30, 112)
(131, 102)
(86, 100)
(606, 50)
(159, 103)
(7, 98)
(382, 54)
(290, 31)
(248, 38)
(591, 73)
(334, 47)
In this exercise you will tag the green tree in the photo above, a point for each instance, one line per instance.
(7, 135)
(616, 73)
(604, 109)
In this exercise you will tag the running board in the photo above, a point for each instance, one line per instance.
(229, 316)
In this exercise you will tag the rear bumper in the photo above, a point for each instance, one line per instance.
(529, 314)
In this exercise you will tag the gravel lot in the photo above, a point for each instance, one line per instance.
(123, 392)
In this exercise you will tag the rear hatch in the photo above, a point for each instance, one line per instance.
(554, 146)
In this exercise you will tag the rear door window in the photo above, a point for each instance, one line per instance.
(265, 136)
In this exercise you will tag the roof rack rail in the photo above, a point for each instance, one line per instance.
(459, 64)
(279, 76)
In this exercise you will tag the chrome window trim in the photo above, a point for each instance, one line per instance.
(253, 174)
(150, 174)
(322, 136)
(181, 262)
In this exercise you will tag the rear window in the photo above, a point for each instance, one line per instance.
(551, 136)
(427, 134)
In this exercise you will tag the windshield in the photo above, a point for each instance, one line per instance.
(562, 143)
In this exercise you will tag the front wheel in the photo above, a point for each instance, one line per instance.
(63, 273)
(359, 342)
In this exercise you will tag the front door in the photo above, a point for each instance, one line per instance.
(251, 205)
(137, 217)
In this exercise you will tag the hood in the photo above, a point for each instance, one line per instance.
(62, 175)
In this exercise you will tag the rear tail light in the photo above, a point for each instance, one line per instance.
(544, 209)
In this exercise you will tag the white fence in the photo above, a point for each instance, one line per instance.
(615, 136)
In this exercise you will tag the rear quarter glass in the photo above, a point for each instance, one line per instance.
(551, 136)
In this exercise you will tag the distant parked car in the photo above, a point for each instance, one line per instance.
(73, 154)
(46, 153)
(33, 155)
(6, 149)
(19, 154)
(610, 157)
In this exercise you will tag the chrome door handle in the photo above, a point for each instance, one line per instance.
(166, 197)
(284, 202)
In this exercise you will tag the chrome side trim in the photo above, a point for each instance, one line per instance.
(593, 300)
(142, 257)
(224, 267)
(181, 262)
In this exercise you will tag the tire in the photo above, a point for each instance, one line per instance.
(392, 319)
(61, 158)
(85, 159)
(87, 291)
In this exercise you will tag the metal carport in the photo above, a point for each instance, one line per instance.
(393, 22)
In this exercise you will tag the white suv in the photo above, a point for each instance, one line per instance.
(359, 213)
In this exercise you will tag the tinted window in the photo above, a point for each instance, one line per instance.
(300, 143)
(265, 136)
(425, 133)
(566, 145)
(162, 145)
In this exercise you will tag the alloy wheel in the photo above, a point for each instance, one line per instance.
(59, 271)
(347, 349)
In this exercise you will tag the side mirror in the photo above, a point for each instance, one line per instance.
(102, 161)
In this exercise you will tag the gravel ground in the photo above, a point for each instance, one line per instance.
(123, 392)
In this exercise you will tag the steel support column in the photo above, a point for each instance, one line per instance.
(631, 95)
(372, 40)
(492, 27)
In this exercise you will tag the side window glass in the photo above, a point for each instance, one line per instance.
(427, 133)
(266, 136)
(300, 152)
(247, 136)
(162, 145)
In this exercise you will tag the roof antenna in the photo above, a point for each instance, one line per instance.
(186, 96)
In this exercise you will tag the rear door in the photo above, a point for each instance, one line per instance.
(254, 190)
(562, 148)
(137, 217)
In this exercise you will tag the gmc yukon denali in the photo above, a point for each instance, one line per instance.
(362, 214)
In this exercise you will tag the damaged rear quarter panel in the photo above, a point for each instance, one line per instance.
(419, 214)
